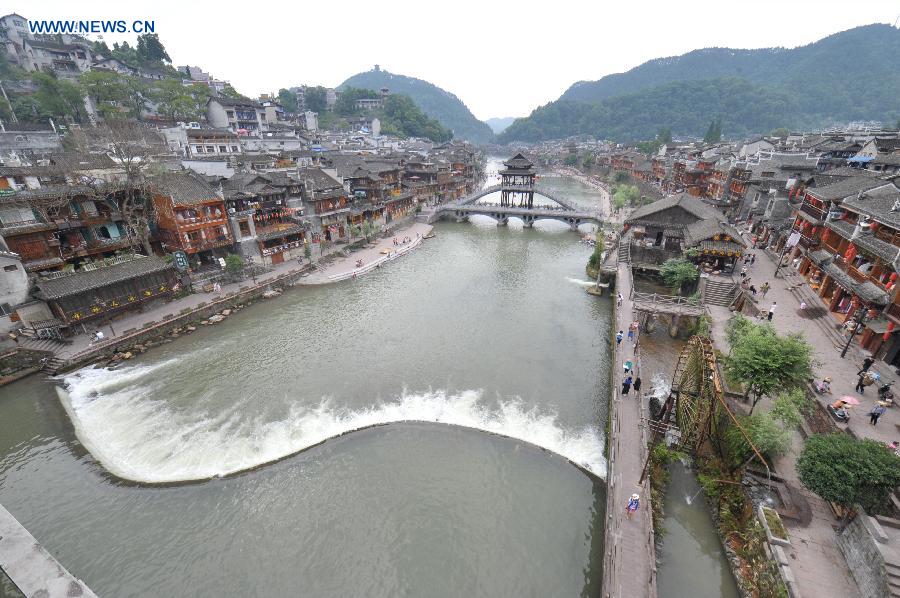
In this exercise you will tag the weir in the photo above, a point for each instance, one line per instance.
(34, 570)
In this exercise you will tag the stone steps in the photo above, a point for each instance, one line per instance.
(719, 292)
(803, 293)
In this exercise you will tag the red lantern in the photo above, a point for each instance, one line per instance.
(887, 335)
(850, 253)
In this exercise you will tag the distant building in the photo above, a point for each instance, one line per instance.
(238, 114)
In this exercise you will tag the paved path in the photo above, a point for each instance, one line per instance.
(34, 571)
(369, 254)
(630, 563)
(817, 563)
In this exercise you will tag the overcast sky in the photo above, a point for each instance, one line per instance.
(502, 58)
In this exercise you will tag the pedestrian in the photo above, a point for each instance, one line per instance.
(764, 289)
(753, 291)
(633, 505)
(861, 384)
(744, 272)
(626, 384)
(619, 299)
(627, 366)
(637, 385)
(630, 334)
(875, 413)
(619, 336)
(867, 363)
(752, 258)
(772, 310)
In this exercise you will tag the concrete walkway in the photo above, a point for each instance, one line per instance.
(630, 563)
(818, 565)
(370, 253)
(34, 571)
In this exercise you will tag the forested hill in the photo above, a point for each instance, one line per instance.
(437, 103)
(850, 75)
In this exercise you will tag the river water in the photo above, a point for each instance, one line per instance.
(195, 469)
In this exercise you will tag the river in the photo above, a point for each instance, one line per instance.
(196, 469)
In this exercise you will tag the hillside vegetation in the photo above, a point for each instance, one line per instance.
(850, 75)
(435, 102)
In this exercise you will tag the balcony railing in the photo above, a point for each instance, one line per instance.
(894, 310)
(816, 213)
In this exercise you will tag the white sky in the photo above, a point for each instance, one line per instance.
(471, 48)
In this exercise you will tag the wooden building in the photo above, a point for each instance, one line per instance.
(517, 182)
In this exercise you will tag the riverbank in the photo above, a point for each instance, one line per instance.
(133, 332)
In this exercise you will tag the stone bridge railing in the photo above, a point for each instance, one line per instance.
(470, 199)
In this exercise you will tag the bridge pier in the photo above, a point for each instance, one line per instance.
(673, 326)
(501, 220)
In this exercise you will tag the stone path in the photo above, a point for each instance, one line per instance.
(370, 253)
(815, 559)
(630, 563)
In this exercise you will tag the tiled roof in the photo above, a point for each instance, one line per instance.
(846, 188)
(867, 241)
(80, 282)
(184, 187)
(684, 201)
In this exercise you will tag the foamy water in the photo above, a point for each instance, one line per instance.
(141, 437)
(582, 283)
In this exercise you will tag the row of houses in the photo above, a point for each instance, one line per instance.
(77, 217)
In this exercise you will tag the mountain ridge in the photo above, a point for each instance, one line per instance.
(437, 103)
(845, 76)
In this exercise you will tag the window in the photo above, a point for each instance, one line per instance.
(768, 174)
(198, 149)
(223, 149)
(234, 148)
(210, 149)
(10, 268)
(230, 113)
(5, 309)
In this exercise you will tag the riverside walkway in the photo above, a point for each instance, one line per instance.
(629, 565)
(34, 571)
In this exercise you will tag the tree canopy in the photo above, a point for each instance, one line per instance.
(678, 272)
(764, 362)
(847, 471)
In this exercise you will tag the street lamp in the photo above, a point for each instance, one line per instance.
(857, 320)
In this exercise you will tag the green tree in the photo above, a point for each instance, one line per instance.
(401, 117)
(316, 99)
(346, 102)
(571, 159)
(288, 100)
(678, 272)
(234, 265)
(621, 176)
(714, 131)
(849, 472)
(58, 98)
(626, 195)
(307, 252)
(790, 406)
(150, 49)
(111, 91)
(768, 436)
(780, 132)
(764, 362)
(179, 102)
(599, 248)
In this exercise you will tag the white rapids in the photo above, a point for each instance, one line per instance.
(139, 437)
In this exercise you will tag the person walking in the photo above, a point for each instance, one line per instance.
(631, 335)
(752, 258)
(634, 503)
(875, 413)
(772, 310)
(866, 364)
(619, 336)
(619, 299)
(861, 384)
(764, 289)
(626, 384)
(637, 386)
(744, 272)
